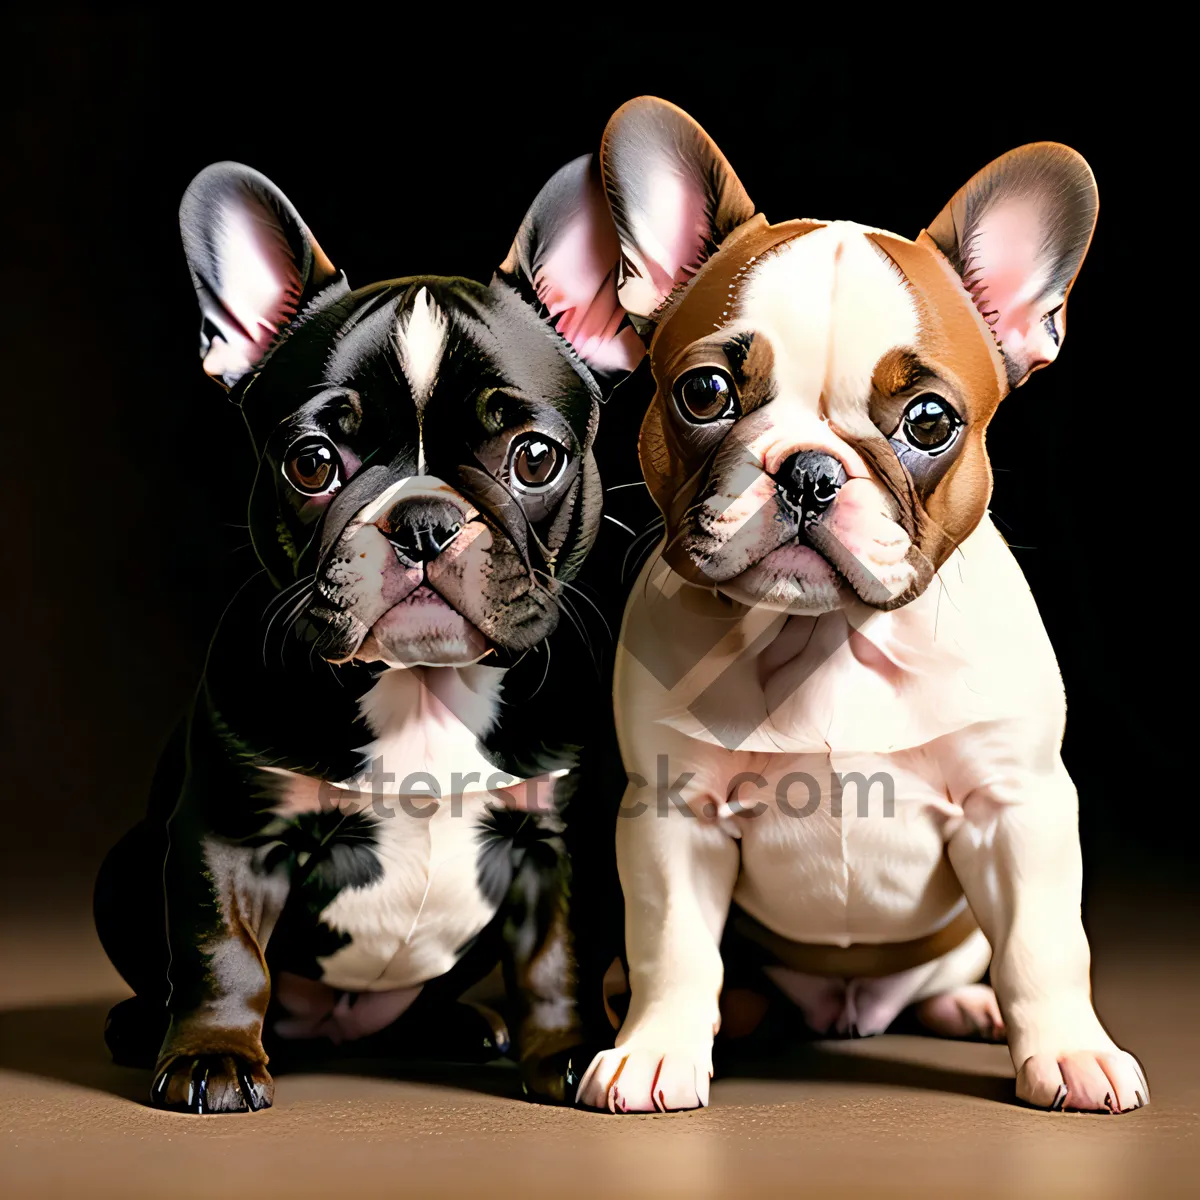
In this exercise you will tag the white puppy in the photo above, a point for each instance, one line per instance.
(839, 710)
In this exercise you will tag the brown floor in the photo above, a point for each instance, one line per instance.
(894, 1115)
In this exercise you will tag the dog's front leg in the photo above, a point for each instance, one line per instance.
(677, 871)
(1017, 856)
(542, 974)
(220, 910)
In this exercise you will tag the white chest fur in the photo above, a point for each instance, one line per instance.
(425, 790)
(955, 691)
(410, 924)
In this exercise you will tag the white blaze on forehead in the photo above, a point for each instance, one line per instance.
(831, 306)
(421, 338)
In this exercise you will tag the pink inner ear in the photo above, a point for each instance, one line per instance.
(1009, 276)
(677, 211)
(577, 283)
(668, 231)
(259, 285)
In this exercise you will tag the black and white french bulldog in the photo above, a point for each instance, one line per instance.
(365, 810)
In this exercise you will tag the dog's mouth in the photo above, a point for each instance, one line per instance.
(773, 556)
(791, 578)
(423, 629)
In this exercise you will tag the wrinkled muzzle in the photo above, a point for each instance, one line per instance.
(419, 577)
(796, 529)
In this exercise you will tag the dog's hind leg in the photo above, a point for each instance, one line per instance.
(130, 917)
(953, 1003)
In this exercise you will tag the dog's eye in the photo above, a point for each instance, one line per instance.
(536, 462)
(705, 395)
(930, 424)
(313, 468)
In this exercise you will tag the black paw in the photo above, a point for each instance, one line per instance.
(212, 1083)
(472, 1033)
(555, 1078)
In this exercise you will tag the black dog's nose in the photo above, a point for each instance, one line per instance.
(419, 536)
(809, 480)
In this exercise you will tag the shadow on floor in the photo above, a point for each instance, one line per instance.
(65, 1042)
(869, 1062)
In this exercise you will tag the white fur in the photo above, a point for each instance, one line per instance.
(408, 926)
(957, 696)
(430, 719)
(831, 307)
(421, 339)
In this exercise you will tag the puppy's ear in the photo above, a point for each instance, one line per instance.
(1017, 233)
(253, 262)
(565, 258)
(674, 198)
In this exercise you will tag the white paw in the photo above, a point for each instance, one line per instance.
(1107, 1081)
(629, 1079)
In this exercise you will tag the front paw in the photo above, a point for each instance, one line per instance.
(212, 1083)
(1104, 1081)
(632, 1079)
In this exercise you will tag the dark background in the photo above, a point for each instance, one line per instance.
(414, 148)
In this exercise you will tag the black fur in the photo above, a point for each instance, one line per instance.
(279, 695)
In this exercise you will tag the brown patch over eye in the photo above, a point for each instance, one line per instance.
(897, 374)
(757, 383)
(897, 371)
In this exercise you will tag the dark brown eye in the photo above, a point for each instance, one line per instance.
(312, 468)
(930, 424)
(705, 395)
(537, 461)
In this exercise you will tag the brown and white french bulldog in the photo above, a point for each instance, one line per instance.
(838, 708)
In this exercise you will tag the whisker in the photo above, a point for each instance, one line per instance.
(564, 606)
(621, 524)
(285, 594)
(545, 673)
(583, 596)
(290, 625)
(296, 608)
(655, 527)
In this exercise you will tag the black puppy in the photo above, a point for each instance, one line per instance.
(365, 809)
